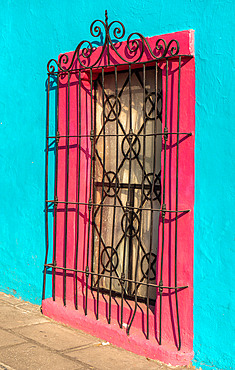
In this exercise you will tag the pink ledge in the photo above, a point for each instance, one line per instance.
(135, 342)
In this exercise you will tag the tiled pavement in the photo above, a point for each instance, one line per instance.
(29, 340)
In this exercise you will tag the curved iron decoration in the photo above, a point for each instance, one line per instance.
(136, 47)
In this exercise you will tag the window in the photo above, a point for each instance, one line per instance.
(123, 181)
(127, 173)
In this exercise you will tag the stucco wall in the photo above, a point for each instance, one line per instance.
(34, 32)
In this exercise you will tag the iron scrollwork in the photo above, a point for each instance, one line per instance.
(136, 47)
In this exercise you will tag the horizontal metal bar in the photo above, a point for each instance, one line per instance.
(129, 207)
(114, 135)
(51, 265)
(125, 186)
(75, 70)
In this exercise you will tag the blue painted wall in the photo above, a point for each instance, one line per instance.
(32, 32)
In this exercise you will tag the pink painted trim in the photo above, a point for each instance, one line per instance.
(136, 342)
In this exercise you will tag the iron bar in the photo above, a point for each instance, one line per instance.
(66, 191)
(90, 192)
(142, 195)
(56, 185)
(130, 196)
(102, 195)
(78, 195)
(176, 206)
(117, 206)
(50, 265)
(125, 186)
(128, 193)
(115, 197)
(94, 210)
(163, 205)
(46, 189)
(107, 135)
(151, 197)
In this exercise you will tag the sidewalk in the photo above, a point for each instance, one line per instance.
(29, 340)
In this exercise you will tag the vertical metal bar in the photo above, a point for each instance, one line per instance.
(163, 206)
(94, 192)
(115, 196)
(46, 188)
(142, 193)
(130, 137)
(176, 206)
(151, 199)
(67, 191)
(56, 186)
(79, 167)
(90, 194)
(130, 226)
(102, 197)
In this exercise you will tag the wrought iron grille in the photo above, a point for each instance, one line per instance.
(126, 189)
(127, 175)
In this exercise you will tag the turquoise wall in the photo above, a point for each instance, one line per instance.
(32, 32)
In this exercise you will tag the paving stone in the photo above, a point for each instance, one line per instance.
(56, 336)
(12, 317)
(28, 356)
(10, 299)
(9, 339)
(110, 357)
(26, 306)
(18, 302)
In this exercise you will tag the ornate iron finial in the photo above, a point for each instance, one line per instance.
(136, 46)
(106, 18)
